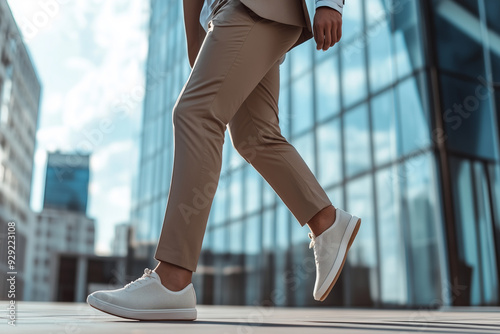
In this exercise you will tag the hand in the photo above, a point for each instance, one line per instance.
(327, 28)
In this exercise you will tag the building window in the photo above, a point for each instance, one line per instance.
(357, 140)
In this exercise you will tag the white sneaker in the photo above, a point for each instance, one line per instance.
(330, 251)
(147, 299)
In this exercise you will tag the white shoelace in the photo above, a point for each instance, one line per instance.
(312, 244)
(313, 240)
(140, 280)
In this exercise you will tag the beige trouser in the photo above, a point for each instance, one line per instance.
(234, 82)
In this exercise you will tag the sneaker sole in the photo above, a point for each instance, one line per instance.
(134, 314)
(344, 257)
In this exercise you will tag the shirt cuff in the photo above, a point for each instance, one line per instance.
(338, 5)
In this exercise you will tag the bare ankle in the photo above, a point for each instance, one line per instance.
(322, 220)
(172, 276)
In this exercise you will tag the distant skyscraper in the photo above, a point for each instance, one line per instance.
(63, 225)
(119, 244)
(19, 104)
(67, 182)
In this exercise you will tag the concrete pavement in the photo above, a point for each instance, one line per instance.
(55, 318)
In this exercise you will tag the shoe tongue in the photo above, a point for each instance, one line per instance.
(155, 276)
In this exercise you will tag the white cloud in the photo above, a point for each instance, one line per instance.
(54, 137)
(120, 196)
(90, 56)
(40, 156)
(94, 188)
(79, 64)
(117, 151)
(53, 103)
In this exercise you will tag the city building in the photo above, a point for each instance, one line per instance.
(67, 182)
(63, 225)
(120, 242)
(20, 90)
(76, 275)
(57, 231)
(399, 122)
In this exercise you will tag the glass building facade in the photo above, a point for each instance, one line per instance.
(67, 182)
(399, 122)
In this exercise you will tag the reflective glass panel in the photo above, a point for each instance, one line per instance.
(384, 128)
(302, 103)
(391, 240)
(268, 229)
(329, 152)
(380, 56)
(327, 87)
(220, 243)
(253, 241)
(407, 38)
(285, 117)
(461, 174)
(413, 115)
(362, 257)
(335, 195)
(252, 189)
(353, 73)
(284, 70)
(236, 191)
(352, 20)
(492, 8)
(467, 108)
(486, 232)
(218, 210)
(458, 37)
(305, 146)
(421, 211)
(301, 59)
(269, 194)
(494, 173)
(356, 140)
(282, 226)
(377, 11)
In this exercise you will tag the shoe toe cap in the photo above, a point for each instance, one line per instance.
(99, 296)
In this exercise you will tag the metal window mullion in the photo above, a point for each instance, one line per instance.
(378, 301)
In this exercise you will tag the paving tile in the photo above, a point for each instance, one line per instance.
(59, 318)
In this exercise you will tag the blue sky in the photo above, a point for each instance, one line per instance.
(90, 56)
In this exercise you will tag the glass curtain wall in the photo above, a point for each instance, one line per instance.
(359, 115)
(363, 116)
(467, 50)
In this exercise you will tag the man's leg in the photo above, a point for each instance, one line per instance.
(256, 135)
(234, 57)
